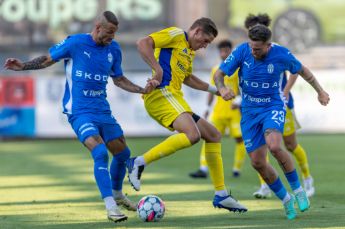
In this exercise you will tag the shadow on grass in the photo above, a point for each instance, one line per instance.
(260, 219)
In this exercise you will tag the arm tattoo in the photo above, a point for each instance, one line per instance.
(127, 85)
(309, 77)
(219, 80)
(37, 63)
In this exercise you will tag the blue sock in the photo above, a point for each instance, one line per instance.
(100, 169)
(292, 178)
(118, 168)
(278, 188)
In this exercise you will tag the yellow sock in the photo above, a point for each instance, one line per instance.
(203, 162)
(262, 181)
(168, 146)
(215, 165)
(302, 160)
(239, 157)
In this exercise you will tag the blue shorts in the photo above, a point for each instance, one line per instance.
(255, 121)
(87, 125)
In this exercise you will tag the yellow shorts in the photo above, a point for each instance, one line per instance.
(165, 106)
(228, 123)
(291, 123)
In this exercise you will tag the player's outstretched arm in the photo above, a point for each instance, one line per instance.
(308, 76)
(127, 85)
(196, 83)
(34, 64)
(225, 92)
(146, 48)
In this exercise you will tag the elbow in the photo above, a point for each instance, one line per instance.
(140, 43)
(143, 43)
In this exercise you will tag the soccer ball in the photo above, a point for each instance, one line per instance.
(150, 208)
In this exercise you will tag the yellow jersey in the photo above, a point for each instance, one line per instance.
(174, 55)
(222, 108)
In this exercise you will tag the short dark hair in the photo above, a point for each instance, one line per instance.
(259, 33)
(110, 17)
(224, 44)
(260, 19)
(207, 25)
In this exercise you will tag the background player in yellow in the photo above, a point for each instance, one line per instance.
(170, 54)
(225, 116)
(290, 126)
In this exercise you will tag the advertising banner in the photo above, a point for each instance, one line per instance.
(128, 108)
(17, 106)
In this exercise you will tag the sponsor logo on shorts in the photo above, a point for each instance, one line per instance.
(248, 143)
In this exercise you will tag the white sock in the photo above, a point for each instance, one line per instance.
(286, 198)
(300, 189)
(139, 161)
(117, 194)
(222, 193)
(204, 168)
(109, 202)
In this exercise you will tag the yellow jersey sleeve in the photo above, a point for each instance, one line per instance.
(190, 69)
(167, 38)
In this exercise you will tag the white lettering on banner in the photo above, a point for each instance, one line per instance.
(9, 121)
(86, 10)
(55, 12)
(13, 10)
(37, 14)
(136, 9)
(61, 9)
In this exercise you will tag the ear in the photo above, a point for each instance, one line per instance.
(98, 27)
(198, 30)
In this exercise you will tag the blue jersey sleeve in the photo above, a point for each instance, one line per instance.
(293, 65)
(61, 50)
(116, 68)
(232, 62)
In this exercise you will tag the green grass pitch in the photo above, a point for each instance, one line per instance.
(50, 184)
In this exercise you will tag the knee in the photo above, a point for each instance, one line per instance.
(275, 149)
(216, 136)
(258, 164)
(194, 137)
(122, 156)
(213, 136)
(100, 153)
